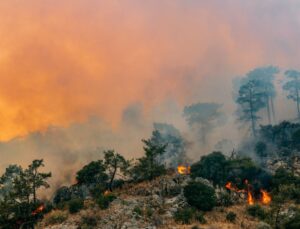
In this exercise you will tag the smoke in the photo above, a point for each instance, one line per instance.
(80, 76)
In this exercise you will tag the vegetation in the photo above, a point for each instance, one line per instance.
(114, 162)
(231, 216)
(55, 217)
(204, 117)
(200, 196)
(19, 202)
(149, 167)
(75, 205)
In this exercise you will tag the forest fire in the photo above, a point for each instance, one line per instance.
(38, 210)
(184, 169)
(265, 198)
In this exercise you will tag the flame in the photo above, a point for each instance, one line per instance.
(38, 210)
(184, 170)
(230, 186)
(250, 198)
(265, 198)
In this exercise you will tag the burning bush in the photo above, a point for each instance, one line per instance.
(201, 196)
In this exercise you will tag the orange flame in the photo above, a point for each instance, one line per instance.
(38, 210)
(265, 198)
(184, 170)
(250, 198)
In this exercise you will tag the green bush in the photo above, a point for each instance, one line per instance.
(137, 210)
(89, 221)
(231, 216)
(104, 201)
(184, 216)
(75, 205)
(200, 196)
(293, 222)
(257, 211)
(225, 199)
(55, 217)
(199, 216)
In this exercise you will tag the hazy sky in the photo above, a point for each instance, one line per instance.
(64, 61)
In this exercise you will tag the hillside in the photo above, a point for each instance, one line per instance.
(149, 205)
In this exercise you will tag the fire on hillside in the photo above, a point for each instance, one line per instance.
(184, 169)
(265, 197)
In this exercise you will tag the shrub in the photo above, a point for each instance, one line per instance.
(293, 222)
(75, 205)
(184, 215)
(257, 211)
(200, 196)
(104, 201)
(199, 216)
(55, 217)
(225, 199)
(138, 211)
(231, 216)
(89, 221)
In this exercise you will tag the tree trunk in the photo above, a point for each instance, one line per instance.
(273, 110)
(298, 103)
(268, 109)
(113, 176)
(251, 114)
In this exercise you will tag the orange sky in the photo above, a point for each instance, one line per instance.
(64, 61)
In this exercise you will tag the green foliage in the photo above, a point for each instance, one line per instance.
(292, 86)
(231, 216)
(204, 117)
(18, 200)
(187, 215)
(104, 200)
(114, 162)
(75, 205)
(184, 215)
(212, 167)
(200, 196)
(250, 100)
(261, 149)
(55, 217)
(293, 222)
(89, 221)
(138, 211)
(149, 167)
(224, 199)
(92, 173)
(199, 217)
(257, 211)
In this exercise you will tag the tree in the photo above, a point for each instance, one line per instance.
(204, 117)
(201, 196)
(212, 167)
(92, 174)
(149, 167)
(293, 87)
(250, 101)
(265, 77)
(18, 198)
(114, 162)
(261, 149)
(167, 134)
(36, 179)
